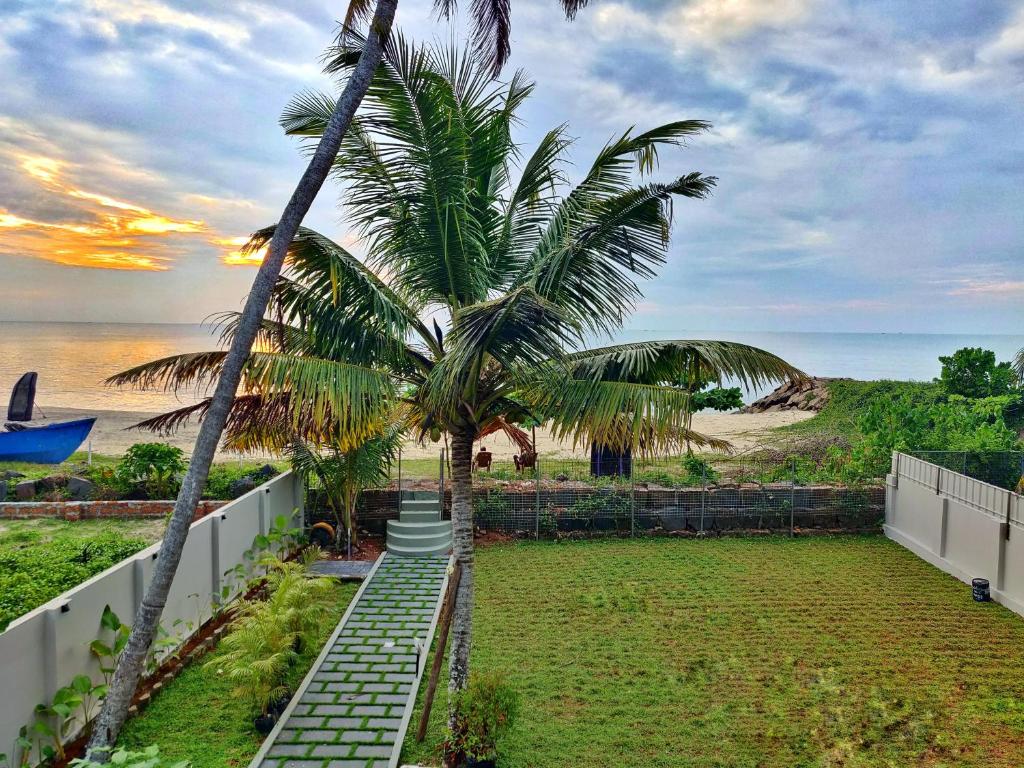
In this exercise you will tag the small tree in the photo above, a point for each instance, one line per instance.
(343, 474)
(974, 372)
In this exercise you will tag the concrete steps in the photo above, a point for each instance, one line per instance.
(419, 531)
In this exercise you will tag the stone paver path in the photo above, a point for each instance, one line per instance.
(354, 707)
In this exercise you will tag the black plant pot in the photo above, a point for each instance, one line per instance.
(264, 724)
(278, 705)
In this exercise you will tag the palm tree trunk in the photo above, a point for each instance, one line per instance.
(147, 619)
(462, 529)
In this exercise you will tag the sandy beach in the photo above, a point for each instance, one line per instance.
(111, 434)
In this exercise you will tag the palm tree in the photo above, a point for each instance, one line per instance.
(458, 224)
(1018, 366)
(492, 28)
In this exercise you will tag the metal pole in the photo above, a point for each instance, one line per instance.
(632, 504)
(792, 499)
(703, 492)
(399, 479)
(536, 484)
(440, 480)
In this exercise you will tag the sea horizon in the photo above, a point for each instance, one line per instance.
(74, 358)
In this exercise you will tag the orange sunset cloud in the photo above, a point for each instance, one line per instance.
(99, 231)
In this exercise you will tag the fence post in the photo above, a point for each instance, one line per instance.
(399, 479)
(792, 499)
(703, 492)
(440, 481)
(632, 504)
(536, 485)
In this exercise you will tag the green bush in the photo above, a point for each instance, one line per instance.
(31, 574)
(155, 466)
(973, 372)
(482, 714)
(218, 482)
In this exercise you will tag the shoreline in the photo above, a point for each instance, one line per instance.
(111, 434)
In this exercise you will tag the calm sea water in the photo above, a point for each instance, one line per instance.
(73, 359)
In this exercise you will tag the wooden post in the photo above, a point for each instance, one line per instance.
(442, 642)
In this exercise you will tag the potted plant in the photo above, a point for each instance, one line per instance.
(481, 715)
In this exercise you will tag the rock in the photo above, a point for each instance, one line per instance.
(25, 490)
(3, 491)
(240, 487)
(80, 489)
(51, 483)
(9, 474)
(264, 473)
(809, 394)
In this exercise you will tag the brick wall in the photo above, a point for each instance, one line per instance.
(93, 510)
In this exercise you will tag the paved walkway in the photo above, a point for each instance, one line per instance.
(354, 706)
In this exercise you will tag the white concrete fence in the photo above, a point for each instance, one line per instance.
(47, 647)
(966, 527)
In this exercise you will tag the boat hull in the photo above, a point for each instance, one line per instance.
(50, 444)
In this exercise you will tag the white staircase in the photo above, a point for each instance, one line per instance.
(419, 531)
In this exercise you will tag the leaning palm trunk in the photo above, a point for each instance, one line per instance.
(462, 529)
(147, 619)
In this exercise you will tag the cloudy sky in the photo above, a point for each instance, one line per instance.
(870, 152)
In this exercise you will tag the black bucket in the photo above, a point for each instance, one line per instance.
(979, 590)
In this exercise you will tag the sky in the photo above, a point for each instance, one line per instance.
(869, 152)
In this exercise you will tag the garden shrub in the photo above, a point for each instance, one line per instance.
(155, 466)
(146, 758)
(482, 714)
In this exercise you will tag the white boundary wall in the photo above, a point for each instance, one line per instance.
(47, 647)
(968, 528)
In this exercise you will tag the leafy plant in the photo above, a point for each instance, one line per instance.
(480, 715)
(154, 465)
(267, 635)
(344, 473)
(699, 470)
(146, 758)
(107, 653)
(974, 372)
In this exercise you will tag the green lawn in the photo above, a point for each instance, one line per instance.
(40, 559)
(195, 718)
(824, 652)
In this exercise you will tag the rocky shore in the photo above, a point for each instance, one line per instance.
(809, 394)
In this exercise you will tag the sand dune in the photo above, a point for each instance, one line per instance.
(111, 435)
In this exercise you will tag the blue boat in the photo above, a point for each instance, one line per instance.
(50, 444)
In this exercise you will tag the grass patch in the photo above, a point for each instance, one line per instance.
(849, 399)
(40, 559)
(840, 652)
(195, 718)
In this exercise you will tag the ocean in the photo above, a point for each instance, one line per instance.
(73, 359)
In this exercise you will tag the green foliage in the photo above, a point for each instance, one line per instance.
(957, 424)
(156, 466)
(196, 717)
(699, 470)
(490, 507)
(482, 713)
(146, 758)
(31, 574)
(849, 399)
(973, 372)
(268, 634)
(718, 399)
(343, 473)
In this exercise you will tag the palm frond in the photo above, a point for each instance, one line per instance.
(667, 362)
(588, 262)
(644, 417)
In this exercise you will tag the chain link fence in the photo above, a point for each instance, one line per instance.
(1004, 469)
(567, 497)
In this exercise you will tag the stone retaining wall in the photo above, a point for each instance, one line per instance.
(93, 510)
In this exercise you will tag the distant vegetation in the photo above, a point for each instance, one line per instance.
(976, 405)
